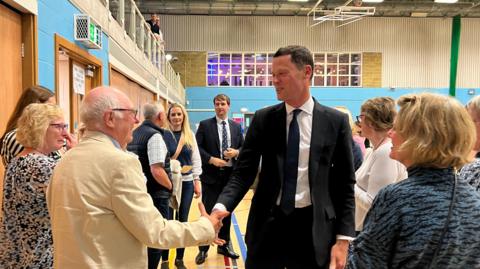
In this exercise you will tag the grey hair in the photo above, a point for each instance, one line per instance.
(474, 105)
(151, 110)
(91, 113)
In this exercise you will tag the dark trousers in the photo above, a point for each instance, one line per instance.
(154, 254)
(287, 243)
(182, 213)
(210, 193)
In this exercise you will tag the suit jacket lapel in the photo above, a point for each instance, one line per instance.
(280, 123)
(215, 134)
(233, 134)
(316, 139)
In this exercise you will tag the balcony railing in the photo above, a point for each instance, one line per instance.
(127, 14)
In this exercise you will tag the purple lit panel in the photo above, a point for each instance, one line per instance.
(225, 58)
(213, 57)
(248, 81)
(224, 69)
(319, 81)
(248, 69)
(261, 58)
(261, 69)
(270, 81)
(270, 57)
(249, 58)
(212, 81)
(224, 80)
(212, 69)
(236, 69)
(237, 58)
(236, 81)
(261, 81)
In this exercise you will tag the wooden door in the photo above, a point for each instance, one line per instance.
(10, 68)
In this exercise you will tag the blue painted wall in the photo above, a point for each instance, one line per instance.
(254, 98)
(56, 17)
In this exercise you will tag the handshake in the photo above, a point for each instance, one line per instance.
(216, 218)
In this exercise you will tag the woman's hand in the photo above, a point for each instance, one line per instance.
(197, 188)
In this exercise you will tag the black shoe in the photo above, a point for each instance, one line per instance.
(179, 264)
(227, 251)
(201, 256)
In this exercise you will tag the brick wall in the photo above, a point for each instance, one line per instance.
(372, 70)
(191, 65)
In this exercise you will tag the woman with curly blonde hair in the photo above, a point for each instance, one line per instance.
(25, 234)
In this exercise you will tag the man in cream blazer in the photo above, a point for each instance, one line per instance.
(102, 215)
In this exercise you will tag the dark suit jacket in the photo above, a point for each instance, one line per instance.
(209, 145)
(331, 176)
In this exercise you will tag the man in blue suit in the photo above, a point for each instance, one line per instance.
(219, 140)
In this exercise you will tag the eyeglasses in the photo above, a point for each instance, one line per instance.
(359, 118)
(59, 126)
(133, 111)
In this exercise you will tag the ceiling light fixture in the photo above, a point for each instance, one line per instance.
(297, 0)
(446, 1)
(372, 1)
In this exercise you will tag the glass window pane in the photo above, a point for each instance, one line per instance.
(270, 57)
(212, 69)
(260, 69)
(261, 58)
(248, 70)
(343, 69)
(356, 59)
(212, 81)
(236, 69)
(319, 81)
(237, 58)
(248, 81)
(319, 70)
(261, 81)
(248, 58)
(332, 58)
(355, 69)
(224, 69)
(344, 58)
(319, 58)
(270, 81)
(343, 80)
(213, 57)
(236, 81)
(269, 69)
(224, 81)
(355, 81)
(332, 69)
(225, 58)
(331, 81)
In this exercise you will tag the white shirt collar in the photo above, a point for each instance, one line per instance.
(219, 121)
(307, 107)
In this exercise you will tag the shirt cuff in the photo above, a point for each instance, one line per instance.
(220, 207)
(344, 237)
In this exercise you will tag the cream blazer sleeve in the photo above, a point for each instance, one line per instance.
(134, 208)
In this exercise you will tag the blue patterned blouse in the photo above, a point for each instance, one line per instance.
(404, 225)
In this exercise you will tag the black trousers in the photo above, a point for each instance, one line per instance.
(287, 243)
(210, 193)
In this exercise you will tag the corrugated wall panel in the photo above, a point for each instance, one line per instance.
(415, 52)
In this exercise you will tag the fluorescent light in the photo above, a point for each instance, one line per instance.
(446, 1)
(419, 14)
(372, 1)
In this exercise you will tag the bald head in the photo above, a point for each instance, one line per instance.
(97, 102)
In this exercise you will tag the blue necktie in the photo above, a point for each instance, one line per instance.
(224, 138)
(290, 169)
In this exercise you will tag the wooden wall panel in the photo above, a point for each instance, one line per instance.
(10, 68)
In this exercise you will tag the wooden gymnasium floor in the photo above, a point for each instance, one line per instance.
(237, 233)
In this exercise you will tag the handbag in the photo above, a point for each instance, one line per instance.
(176, 169)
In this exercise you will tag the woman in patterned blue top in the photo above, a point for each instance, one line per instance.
(471, 172)
(429, 220)
(25, 231)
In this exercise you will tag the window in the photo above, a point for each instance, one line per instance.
(255, 69)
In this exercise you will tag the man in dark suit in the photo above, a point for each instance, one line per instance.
(219, 141)
(302, 212)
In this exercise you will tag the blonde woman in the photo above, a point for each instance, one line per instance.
(378, 169)
(25, 236)
(185, 150)
(430, 219)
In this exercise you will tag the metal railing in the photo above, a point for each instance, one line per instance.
(127, 14)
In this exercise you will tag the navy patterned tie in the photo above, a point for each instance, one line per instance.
(224, 138)
(290, 169)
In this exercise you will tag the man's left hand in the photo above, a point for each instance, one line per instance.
(338, 255)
